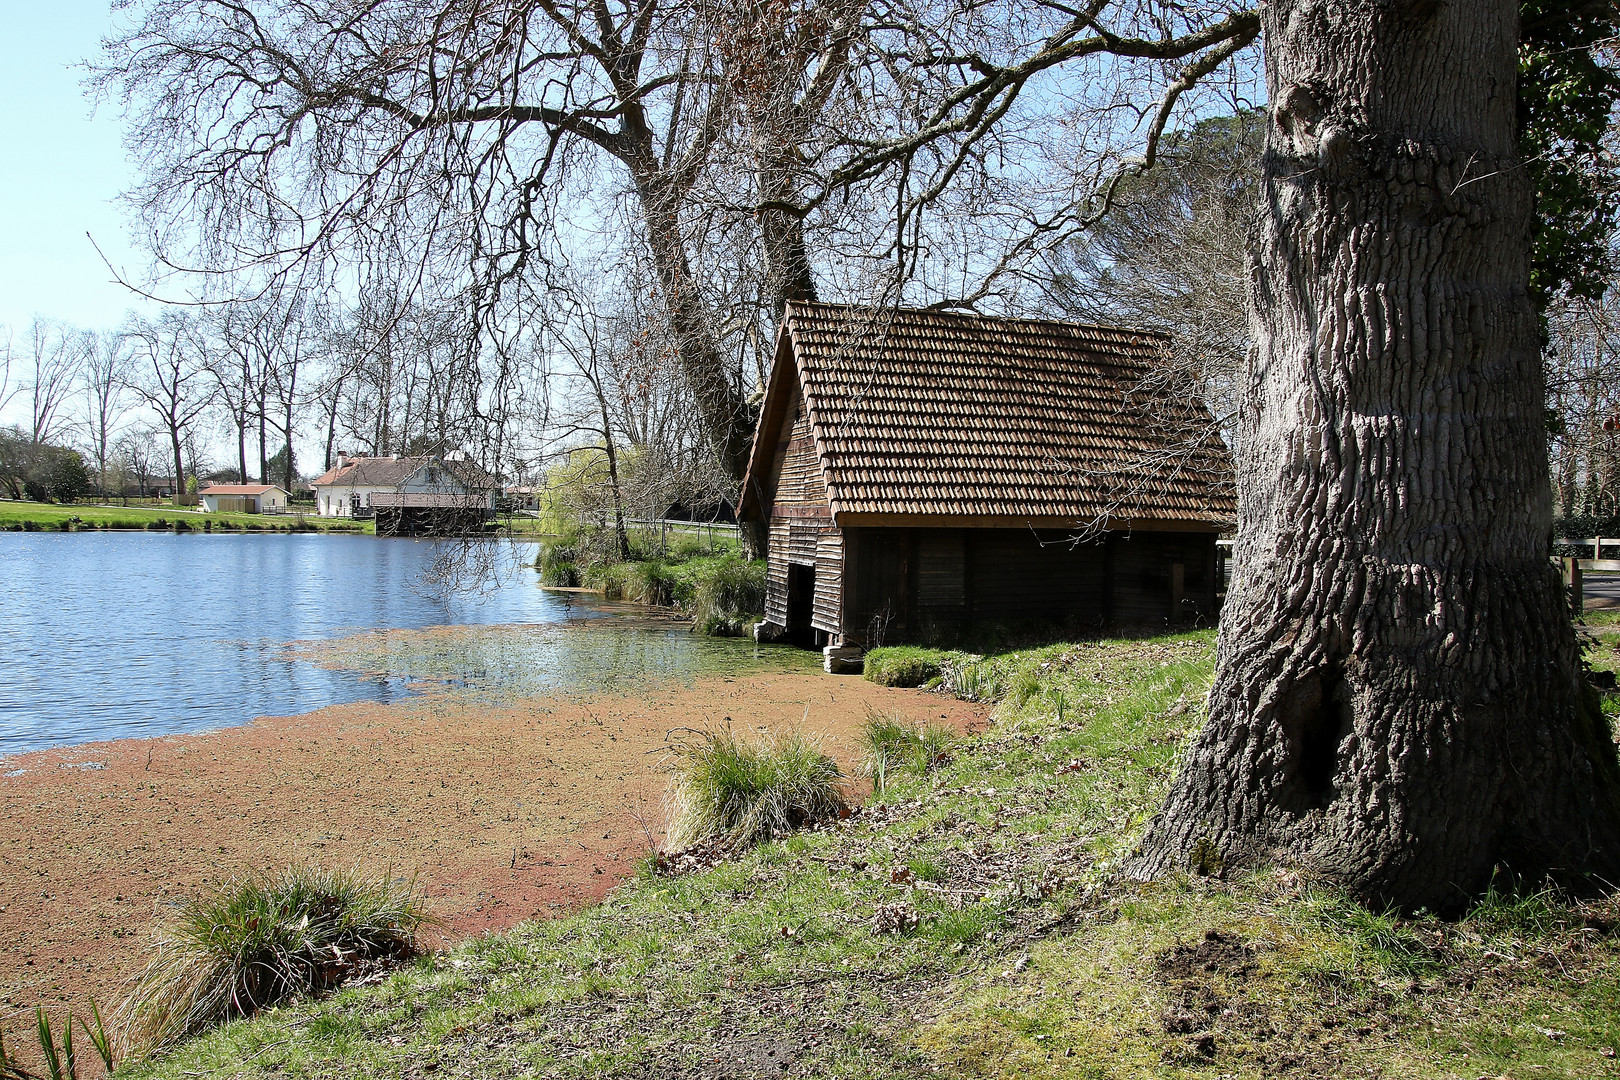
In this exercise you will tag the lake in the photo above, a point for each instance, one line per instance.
(120, 635)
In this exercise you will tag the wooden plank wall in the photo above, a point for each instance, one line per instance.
(876, 594)
(776, 575)
(930, 584)
(829, 606)
(799, 481)
(1140, 579)
(801, 528)
(941, 587)
(1023, 576)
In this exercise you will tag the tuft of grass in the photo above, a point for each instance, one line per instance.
(739, 792)
(726, 594)
(1510, 909)
(559, 566)
(907, 665)
(261, 940)
(651, 582)
(891, 743)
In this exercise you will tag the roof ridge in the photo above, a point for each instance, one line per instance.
(946, 313)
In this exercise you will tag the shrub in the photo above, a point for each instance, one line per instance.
(261, 940)
(891, 743)
(739, 792)
(611, 578)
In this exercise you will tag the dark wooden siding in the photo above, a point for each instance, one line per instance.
(1021, 576)
(877, 566)
(801, 529)
(932, 584)
(1142, 577)
(941, 582)
(799, 482)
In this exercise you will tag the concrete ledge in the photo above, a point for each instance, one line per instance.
(844, 659)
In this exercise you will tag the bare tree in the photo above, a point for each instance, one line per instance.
(1171, 256)
(56, 354)
(104, 384)
(235, 365)
(484, 143)
(138, 451)
(169, 377)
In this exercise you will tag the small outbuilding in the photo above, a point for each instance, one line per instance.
(243, 498)
(926, 473)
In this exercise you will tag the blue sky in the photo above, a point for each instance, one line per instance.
(60, 171)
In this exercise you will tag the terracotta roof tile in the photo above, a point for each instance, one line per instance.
(935, 413)
(394, 472)
(238, 489)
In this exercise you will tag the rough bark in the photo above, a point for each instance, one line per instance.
(177, 496)
(726, 417)
(787, 258)
(1398, 703)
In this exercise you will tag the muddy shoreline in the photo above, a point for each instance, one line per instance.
(503, 810)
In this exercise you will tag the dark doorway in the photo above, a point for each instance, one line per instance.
(801, 602)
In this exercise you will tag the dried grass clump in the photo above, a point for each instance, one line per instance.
(743, 791)
(264, 939)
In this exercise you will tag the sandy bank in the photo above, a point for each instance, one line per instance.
(504, 812)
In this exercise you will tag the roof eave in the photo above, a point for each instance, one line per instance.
(784, 374)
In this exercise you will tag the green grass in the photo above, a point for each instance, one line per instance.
(15, 516)
(907, 665)
(967, 923)
(892, 743)
(738, 791)
(723, 592)
(259, 941)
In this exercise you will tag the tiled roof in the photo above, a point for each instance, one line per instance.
(945, 415)
(238, 489)
(394, 472)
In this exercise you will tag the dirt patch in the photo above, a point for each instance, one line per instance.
(1218, 954)
(503, 812)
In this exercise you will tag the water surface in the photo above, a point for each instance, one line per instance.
(118, 635)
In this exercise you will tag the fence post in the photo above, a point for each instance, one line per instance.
(1572, 584)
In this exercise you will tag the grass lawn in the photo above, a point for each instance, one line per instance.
(968, 923)
(21, 515)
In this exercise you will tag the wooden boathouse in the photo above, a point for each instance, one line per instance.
(924, 473)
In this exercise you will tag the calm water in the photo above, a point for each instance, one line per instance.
(116, 635)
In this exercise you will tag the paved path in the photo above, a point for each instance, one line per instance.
(1600, 591)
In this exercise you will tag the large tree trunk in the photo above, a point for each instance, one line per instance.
(178, 495)
(726, 417)
(1397, 701)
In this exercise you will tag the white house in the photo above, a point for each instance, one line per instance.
(360, 486)
(243, 498)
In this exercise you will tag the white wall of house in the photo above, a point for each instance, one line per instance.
(339, 500)
(274, 499)
(336, 500)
